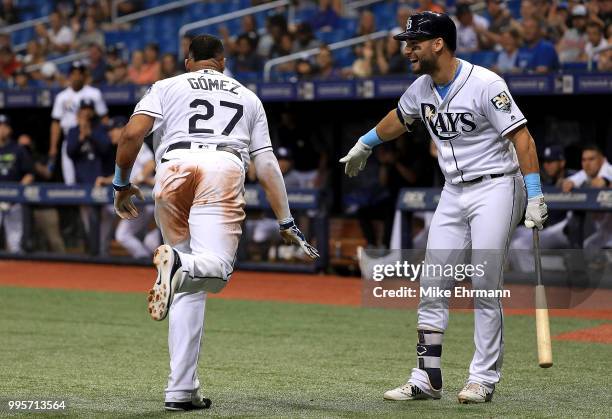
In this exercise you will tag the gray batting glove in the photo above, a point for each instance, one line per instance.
(292, 234)
(124, 206)
(356, 158)
(536, 213)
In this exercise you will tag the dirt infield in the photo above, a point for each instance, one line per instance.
(246, 285)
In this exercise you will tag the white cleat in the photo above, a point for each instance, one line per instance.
(475, 393)
(168, 265)
(407, 391)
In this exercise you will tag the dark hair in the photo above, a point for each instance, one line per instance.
(595, 24)
(204, 47)
(592, 147)
(153, 46)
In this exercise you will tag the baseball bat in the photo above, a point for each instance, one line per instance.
(545, 359)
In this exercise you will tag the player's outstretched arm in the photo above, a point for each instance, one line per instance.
(389, 128)
(271, 179)
(130, 142)
(536, 212)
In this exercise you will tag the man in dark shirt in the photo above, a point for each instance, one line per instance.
(15, 166)
(537, 55)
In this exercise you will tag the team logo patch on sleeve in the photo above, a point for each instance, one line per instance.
(502, 102)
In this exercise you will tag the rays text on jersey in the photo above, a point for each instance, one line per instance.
(447, 125)
(204, 83)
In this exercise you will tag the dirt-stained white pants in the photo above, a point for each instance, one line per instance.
(199, 208)
(476, 222)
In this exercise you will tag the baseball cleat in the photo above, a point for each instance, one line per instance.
(168, 265)
(474, 393)
(407, 391)
(196, 404)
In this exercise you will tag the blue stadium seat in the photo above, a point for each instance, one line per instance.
(349, 25)
(484, 58)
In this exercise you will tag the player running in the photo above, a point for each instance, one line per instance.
(206, 128)
(483, 147)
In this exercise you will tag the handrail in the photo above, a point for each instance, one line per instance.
(303, 54)
(24, 25)
(227, 16)
(60, 60)
(360, 3)
(152, 11)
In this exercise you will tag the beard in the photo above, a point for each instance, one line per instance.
(426, 66)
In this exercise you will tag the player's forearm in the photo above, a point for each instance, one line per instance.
(130, 142)
(54, 136)
(390, 127)
(271, 179)
(526, 151)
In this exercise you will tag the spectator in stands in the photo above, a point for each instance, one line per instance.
(113, 56)
(91, 35)
(365, 65)
(5, 40)
(246, 59)
(136, 64)
(556, 20)
(596, 41)
(21, 80)
(42, 37)
(96, 64)
(15, 166)
(324, 65)
(537, 55)
(507, 60)
(168, 66)
(151, 68)
(50, 77)
(429, 5)
(118, 75)
(501, 22)
(401, 18)
(304, 69)
(389, 58)
(328, 15)
(64, 115)
(60, 37)
(248, 28)
(596, 173)
(8, 13)
(304, 38)
(8, 63)
(605, 12)
(469, 28)
(571, 45)
(367, 23)
(529, 10)
(46, 218)
(276, 27)
(34, 53)
(185, 42)
(604, 62)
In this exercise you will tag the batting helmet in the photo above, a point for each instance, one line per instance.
(429, 25)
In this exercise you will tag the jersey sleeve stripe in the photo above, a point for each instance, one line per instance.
(147, 112)
(511, 127)
(260, 149)
(399, 115)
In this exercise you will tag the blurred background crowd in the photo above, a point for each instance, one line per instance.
(82, 46)
(507, 36)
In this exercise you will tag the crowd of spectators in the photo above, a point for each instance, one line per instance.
(545, 35)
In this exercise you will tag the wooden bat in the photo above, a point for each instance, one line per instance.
(545, 359)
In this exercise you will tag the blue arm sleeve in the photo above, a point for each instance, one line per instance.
(371, 138)
(533, 185)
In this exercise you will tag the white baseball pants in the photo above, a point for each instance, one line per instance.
(127, 233)
(199, 201)
(480, 217)
(11, 219)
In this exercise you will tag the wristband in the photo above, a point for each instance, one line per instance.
(286, 223)
(371, 138)
(119, 180)
(533, 185)
(122, 188)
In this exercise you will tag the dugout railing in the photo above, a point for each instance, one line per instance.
(306, 205)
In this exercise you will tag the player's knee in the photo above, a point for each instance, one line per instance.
(429, 354)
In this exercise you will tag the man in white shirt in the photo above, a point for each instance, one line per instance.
(60, 36)
(469, 25)
(64, 115)
(596, 41)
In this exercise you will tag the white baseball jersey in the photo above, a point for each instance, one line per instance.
(209, 107)
(468, 126)
(68, 101)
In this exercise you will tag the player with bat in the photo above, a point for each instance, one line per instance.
(490, 165)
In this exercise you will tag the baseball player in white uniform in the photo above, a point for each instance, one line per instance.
(64, 115)
(483, 147)
(207, 127)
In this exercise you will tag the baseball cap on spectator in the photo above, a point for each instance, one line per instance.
(553, 153)
(117, 122)
(463, 9)
(86, 103)
(283, 153)
(4, 119)
(48, 70)
(579, 11)
(77, 66)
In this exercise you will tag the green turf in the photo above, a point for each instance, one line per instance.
(101, 353)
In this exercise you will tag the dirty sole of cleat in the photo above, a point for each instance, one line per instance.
(160, 295)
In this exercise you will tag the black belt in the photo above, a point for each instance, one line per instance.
(187, 145)
(481, 178)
